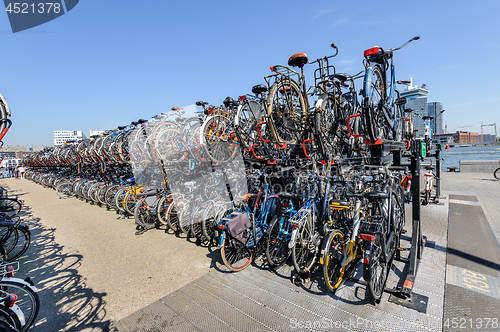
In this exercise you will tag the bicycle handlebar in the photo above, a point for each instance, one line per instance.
(409, 41)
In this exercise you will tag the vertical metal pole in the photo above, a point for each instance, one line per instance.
(438, 174)
(416, 237)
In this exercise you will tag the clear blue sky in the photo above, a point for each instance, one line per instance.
(107, 63)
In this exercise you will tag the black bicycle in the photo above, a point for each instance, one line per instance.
(496, 173)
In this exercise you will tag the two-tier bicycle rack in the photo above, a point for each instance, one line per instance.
(391, 153)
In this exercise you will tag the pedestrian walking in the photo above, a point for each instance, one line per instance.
(22, 170)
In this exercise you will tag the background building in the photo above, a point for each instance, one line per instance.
(61, 136)
(434, 109)
(416, 99)
(95, 132)
(466, 137)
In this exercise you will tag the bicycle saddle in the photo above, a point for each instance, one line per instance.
(374, 195)
(340, 77)
(229, 102)
(201, 103)
(298, 60)
(260, 88)
(429, 168)
(337, 204)
(176, 108)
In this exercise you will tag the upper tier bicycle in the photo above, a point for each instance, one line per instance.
(382, 110)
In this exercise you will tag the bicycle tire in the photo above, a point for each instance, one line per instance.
(119, 196)
(143, 216)
(235, 259)
(305, 250)
(373, 104)
(285, 118)
(196, 228)
(333, 271)
(208, 221)
(185, 219)
(172, 217)
(375, 272)
(8, 237)
(10, 319)
(22, 243)
(163, 205)
(11, 206)
(326, 124)
(27, 299)
(169, 145)
(129, 201)
(277, 251)
(496, 173)
(247, 117)
(109, 196)
(65, 189)
(215, 136)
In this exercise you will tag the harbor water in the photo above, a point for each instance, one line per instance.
(453, 156)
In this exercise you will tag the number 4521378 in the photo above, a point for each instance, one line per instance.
(40, 8)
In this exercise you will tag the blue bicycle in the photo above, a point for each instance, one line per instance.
(382, 107)
(242, 230)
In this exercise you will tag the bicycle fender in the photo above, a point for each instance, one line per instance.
(367, 82)
(19, 281)
(325, 247)
(293, 238)
(19, 313)
(221, 239)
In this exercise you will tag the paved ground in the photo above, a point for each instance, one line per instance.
(91, 268)
(485, 187)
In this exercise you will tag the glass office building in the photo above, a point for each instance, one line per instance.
(416, 99)
(434, 109)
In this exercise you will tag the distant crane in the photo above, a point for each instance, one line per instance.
(488, 125)
(483, 125)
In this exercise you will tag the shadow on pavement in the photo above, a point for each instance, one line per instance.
(66, 303)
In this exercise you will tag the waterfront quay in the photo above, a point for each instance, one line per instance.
(95, 274)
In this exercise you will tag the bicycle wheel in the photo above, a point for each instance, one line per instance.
(27, 299)
(163, 205)
(22, 243)
(332, 260)
(286, 107)
(216, 138)
(8, 236)
(185, 220)
(373, 104)
(129, 201)
(172, 217)
(247, 117)
(119, 196)
(169, 145)
(496, 174)
(326, 123)
(9, 320)
(65, 189)
(306, 247)
(196, 229)
(143, 216)
(11, 206)
(235, 258)
(208, 221)
(375, 272)
(277, 251)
